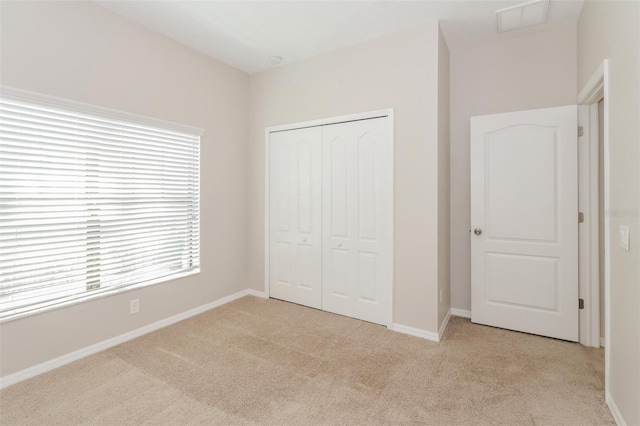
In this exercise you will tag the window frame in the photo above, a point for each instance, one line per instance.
(43, 100)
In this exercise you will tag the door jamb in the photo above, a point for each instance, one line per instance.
(388, 113)
(596, 89)
(588, 231)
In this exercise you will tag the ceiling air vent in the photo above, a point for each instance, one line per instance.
(522, 15)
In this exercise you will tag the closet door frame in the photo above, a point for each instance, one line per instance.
(387, 113)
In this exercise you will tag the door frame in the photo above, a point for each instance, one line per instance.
(588, 230)
(383, 113)
(595, 89)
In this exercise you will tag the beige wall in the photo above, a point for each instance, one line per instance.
(444, 189)
(79, 51)
(398, 71)
(533, 71)
(609, 30)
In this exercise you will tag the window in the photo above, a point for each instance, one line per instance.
(91, 201)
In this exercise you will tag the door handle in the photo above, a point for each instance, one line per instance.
(304, 240)
(339, 245)
(477, 231)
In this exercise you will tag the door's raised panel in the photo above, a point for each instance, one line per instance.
(522, 281)
(282, 173)
(339, 202)
(367, 187)
(283, 255)
(522, 183)
(304, 266)
(367, 277)
(340, 272)
(304, 187)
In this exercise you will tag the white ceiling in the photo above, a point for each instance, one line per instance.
(245, 34)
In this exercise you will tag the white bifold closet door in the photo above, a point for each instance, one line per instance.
(295, 261)
(330, 218)
(357, 206)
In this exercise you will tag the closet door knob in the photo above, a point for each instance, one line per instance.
(477, 231)
(304, 240)
(339, 245)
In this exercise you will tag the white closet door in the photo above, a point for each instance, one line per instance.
(357, 210)
(295, 216)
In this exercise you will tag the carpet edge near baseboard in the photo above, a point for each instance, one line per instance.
(29, 372)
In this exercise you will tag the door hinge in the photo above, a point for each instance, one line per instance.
(580, 131)
(580, 217)
(580, 303)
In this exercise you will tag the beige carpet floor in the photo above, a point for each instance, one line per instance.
(258, 361)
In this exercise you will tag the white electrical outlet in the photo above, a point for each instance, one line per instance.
(624, 237)
(134, 306)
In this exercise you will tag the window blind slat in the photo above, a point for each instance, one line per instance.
(75, 291)
(85, 143)
(68, 173)
(91, 204)
(34, 250)
(61, 117)
(88, 138)
(108, 264)
(71, 226)
(15, 148)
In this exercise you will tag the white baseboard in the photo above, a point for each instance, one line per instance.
(443, 326)
(30, 372)
(460, 313)
(423, 334)
(417, 332)
(257, 293)
(614, 410)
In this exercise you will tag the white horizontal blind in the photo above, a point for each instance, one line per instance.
(90, 204)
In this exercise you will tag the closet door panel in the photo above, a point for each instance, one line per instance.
(295, 216)
(368, 188)
(357, 205)
(337, 197)
(338, 186)
(280, 250)
(375, 207)
(304, 187)
(340, 274)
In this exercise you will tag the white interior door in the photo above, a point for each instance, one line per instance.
(357, 219)
(295, 264)
(524, 219)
